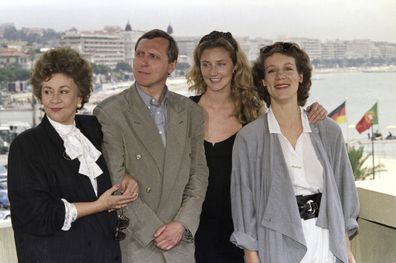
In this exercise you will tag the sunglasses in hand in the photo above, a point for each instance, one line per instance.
(122, 224)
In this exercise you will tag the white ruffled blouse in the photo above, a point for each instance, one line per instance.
(78, 146)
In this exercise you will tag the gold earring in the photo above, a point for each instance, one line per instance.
(79, 105)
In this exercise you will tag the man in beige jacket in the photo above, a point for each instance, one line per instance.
(155, 135)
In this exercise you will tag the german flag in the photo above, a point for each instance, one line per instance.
(338, 114)
(368, 119)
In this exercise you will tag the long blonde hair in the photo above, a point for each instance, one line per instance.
(248, 105)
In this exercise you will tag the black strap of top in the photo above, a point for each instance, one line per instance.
(195, 98)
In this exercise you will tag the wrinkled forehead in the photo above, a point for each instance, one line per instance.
(158, 44)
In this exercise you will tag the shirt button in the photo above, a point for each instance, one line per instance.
(138, 156)
(160, 132)
(148, 189)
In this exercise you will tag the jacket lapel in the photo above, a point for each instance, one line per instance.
(142, 124)
(280, 214)
(176, 140)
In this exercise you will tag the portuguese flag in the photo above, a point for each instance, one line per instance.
(369, 118)
(338, 114)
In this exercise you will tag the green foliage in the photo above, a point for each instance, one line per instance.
(13, 72)
(13, 34)
(357, 159)
(123, 67)
(101, 69)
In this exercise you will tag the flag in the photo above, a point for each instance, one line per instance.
(368, 119)
(338, 114)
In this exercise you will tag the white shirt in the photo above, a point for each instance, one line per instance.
(306, 174)
(305, 169)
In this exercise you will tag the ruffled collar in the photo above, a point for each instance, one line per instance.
(78, 146)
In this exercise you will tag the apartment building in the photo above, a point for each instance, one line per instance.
(99, 47)
(9, 56)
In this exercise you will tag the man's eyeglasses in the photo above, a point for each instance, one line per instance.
(122, 224)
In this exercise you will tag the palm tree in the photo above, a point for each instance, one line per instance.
(357, 159)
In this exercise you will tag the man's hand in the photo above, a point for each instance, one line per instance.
(169, 235)
(316, 112)
(129, 186)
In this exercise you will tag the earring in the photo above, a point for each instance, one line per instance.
(79, 105)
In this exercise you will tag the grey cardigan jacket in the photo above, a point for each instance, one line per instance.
(264, 210)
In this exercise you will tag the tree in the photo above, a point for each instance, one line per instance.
(100, 69)
(13, 72)
(357, 159)
(123, 67)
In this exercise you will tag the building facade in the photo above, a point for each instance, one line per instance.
(99, 47)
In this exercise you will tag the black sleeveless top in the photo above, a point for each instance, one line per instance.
(212, 243)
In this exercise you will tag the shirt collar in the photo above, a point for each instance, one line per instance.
(150, 101)
(274, 127)
(62, 129)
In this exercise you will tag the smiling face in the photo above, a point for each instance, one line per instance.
(217, 69)
(281, 78)
(151, 65)
(60, 97)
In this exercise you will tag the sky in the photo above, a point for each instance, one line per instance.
(270, 19)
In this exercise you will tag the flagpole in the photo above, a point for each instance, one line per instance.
(372, 148)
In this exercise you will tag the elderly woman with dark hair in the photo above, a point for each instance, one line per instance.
(59, 186)
(292, 189)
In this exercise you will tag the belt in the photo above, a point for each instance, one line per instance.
(308, 205)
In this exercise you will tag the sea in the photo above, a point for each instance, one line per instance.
(360, 90)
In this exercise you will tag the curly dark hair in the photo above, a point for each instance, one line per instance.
(303, 67)
(65, 61)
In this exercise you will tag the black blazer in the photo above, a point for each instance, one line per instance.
(39, 175)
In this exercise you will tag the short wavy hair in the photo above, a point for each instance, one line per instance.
(248, 105)
(65, 61)
(303, 67)
(173, 50)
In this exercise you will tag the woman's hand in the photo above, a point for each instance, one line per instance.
(109, 201)
(316, 112)
(251, 256)
(351, 258)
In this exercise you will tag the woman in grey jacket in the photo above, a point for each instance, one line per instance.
(292, 189)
